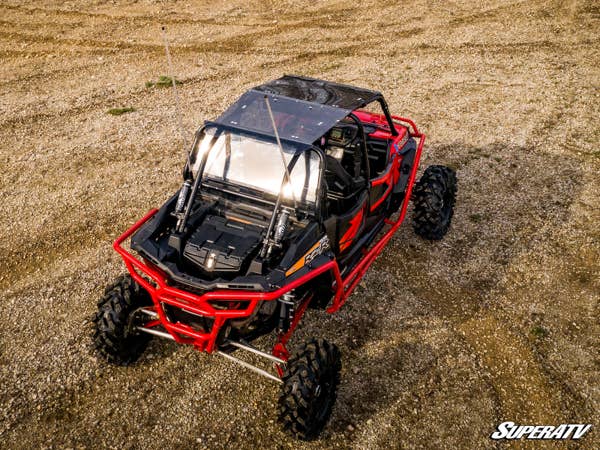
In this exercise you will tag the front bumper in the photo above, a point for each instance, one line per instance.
(155, 281)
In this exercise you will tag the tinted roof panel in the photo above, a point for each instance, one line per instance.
(320, 91)
(296, 120)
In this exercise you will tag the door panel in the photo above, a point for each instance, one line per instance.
(344, 229)
(381, 188)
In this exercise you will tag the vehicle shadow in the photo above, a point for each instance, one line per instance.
(509, 198)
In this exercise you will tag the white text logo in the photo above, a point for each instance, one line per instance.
(509, 430)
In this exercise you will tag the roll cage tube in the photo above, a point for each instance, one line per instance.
(187, 174)
(197, 181)
(320, 193)
(363, 145)
(388, 116)
(286, 178)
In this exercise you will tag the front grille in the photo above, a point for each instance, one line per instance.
(191, 289)
(198, 323)
(229, 304)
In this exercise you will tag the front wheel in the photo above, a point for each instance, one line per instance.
(434, 197)
(309, 388)
(115, 336)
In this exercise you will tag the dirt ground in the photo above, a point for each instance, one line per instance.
(441, 342)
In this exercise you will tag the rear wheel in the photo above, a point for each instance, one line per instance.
(434, 197)
(115, 335)
(309, 388)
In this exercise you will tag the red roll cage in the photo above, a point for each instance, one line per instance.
(156, 283)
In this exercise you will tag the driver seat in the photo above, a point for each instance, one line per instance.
(342, 188)
(339, 181)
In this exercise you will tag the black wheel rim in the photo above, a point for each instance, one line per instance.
(324, 397)
(446, 207)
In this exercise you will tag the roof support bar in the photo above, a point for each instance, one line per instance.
(388, 116)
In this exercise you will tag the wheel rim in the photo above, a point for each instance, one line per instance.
(446, 207)
(323, 396)
(135, 319)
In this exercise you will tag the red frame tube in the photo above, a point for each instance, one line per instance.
(353, 278)
(161, 293)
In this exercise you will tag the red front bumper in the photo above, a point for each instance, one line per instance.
(163, 294)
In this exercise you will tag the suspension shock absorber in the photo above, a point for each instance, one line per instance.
(181, 200)
(286, 312)
(280, 230)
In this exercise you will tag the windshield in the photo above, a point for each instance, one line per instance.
(255, 163)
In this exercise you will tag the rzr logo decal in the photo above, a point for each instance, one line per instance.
(321, 246)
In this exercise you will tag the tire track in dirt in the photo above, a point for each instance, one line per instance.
(510, 47)
(496, 13)
(233, 44)
(133, 19)
(41, 77)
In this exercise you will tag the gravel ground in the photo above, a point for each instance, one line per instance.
(441, 342)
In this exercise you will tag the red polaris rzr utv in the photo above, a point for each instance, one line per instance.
(287, 199)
